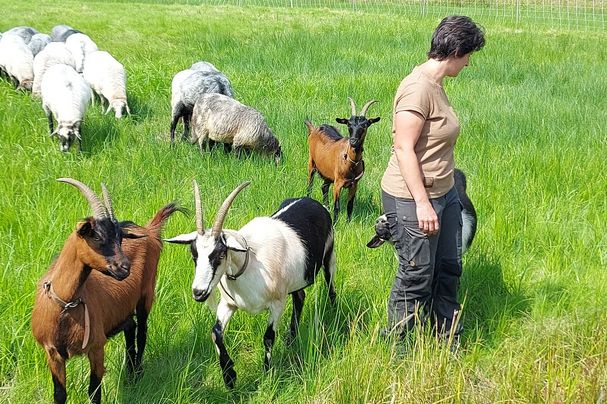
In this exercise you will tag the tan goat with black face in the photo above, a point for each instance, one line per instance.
(339, 160)
(94, 288)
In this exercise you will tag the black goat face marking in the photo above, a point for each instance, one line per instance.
(209, 254)
(104, 236)
(357, 128)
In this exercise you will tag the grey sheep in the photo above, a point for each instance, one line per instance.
(188, 85)
(221, 119)
(59, 33)
(38, 42)
(23, 32)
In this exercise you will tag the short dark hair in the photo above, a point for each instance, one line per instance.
(456, 36)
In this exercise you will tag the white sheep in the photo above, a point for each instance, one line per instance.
(65, 96)
(107, 78)
(54, 53)
(188, 85)
(80, 45)
(38, 42)
(23, 32)
(16, 60)
(220, 119)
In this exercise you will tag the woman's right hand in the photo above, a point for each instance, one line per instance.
(427, 218)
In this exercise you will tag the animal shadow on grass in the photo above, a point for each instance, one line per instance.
(489, 301)
(140, 110)
(96, 132)
(185, 360)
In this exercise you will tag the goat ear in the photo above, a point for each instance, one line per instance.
(185, 238)
(85, 228)
(375, 242)
(234, 245)
(373, 120)
(341, 120)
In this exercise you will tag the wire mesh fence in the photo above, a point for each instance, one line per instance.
(565, 14)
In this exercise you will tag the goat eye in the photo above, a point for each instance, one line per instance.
(222, 255)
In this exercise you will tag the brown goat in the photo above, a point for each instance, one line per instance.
(338, 160)
(94, 288)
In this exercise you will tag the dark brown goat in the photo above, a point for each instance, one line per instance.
(94, 288)
(339, 160)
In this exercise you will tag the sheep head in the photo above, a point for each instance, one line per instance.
(358, 124)
(67, 132)
(119, 107)
(210, 248)
(100, 237)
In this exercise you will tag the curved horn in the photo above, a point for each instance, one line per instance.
(223, 210)
(363, 112)
(199, 218)
(99, 211)
(353, 105)
(108, 201)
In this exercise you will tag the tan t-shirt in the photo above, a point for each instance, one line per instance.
(434, 149)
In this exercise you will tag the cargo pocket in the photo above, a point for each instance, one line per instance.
(417, 245)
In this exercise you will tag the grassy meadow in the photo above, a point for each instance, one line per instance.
(533, 144)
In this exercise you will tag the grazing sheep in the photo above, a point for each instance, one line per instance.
(221, 119)
(337, 159)
(107, 78)
(204, 67)
(53, 54)
(258, 266)
(469, 219)
(80, 45)
(65, 95)
(38, 42)
(16, 61)
(188, 85)
(25, 33)
(101, 282)
(60, 33)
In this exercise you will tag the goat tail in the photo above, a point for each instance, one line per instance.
(155, 225)
(310, 125)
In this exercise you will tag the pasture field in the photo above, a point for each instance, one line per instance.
(533, 144)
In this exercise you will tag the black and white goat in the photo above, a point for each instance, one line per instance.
(258, 266)
(382, 228)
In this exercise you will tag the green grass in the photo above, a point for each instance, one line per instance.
(533, 145)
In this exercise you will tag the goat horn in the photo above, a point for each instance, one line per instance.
(353, 105)
(108, 201)
(223, 210)
(199, 218)
(363, 112)
(99, 211)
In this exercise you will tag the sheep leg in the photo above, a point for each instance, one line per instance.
(56, 363)
(174, 123)
(187, 119)
(224, 313)
(325, 192)
(49, 116)
(329, 271)
(129, 338)
(96, 357)
(351, 195)
(298, 302)
(276, 310)
(142, 334)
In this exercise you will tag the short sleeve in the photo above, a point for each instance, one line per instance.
(413, 97)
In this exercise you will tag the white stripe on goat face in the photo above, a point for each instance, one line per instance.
(210, 255)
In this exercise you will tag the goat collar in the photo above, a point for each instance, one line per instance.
(50, 292)
(247, 252)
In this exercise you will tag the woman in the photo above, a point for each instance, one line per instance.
(418, 194)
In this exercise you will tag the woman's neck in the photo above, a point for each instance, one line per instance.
(435, 69)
